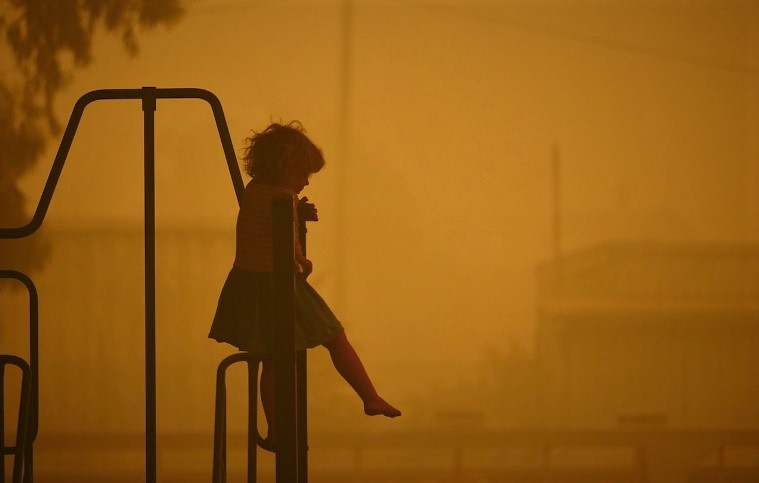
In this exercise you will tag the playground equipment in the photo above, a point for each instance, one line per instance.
(291, 462)
(219, 474)
(18, 450)
(287, 451)
(27, 426)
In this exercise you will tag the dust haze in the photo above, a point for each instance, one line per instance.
(534, 216)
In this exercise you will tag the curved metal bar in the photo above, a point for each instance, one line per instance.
(114, 94)
(221, 126)
(219, 474)
(251, 359)
(19, 450)
(33, 420)
(33, 340)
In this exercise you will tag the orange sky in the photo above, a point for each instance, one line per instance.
(453, 110)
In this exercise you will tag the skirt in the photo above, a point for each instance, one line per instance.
(244, 314)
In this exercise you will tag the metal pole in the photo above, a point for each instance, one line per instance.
(556, 192)
(22, 426)
(252, 418)
(33, 420)
(301, 373)
(148, 107)
(2, 423)
(284, 318)
(34, 362)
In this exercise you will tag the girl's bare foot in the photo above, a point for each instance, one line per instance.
(379, 406)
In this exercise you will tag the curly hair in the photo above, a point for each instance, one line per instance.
(280, 149)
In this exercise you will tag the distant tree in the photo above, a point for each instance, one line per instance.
(45, 42)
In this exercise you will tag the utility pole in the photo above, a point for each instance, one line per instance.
(346, 18)
(556, 199)
(752, 121)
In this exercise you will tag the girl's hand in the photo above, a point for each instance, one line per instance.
(307, 211)
(307, 267)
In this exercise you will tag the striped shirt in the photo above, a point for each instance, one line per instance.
(254, 228)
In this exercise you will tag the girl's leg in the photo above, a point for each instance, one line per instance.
(267, 395)
(349, 365)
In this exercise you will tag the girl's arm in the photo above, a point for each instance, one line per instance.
(308, 211)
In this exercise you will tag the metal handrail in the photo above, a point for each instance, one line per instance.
(20, 449)
(288, 378)
(148, 96)
(33, 423)
(220, 416)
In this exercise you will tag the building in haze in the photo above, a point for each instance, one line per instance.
(666, 334)
(658, 332)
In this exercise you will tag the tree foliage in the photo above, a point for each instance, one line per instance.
(45, 42)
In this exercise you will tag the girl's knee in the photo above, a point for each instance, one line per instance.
(337, 340)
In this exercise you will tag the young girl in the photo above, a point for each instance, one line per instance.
(281, 159)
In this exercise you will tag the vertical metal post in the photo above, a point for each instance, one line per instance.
(22, 426)
(219, 473)
(149, 107)
(301, 372)
(2, 423)
(33, 418)
(34, 360)
(301, 375)
(284, 317)
(252, 418)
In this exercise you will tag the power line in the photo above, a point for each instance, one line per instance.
(478, 16)
(467, 13)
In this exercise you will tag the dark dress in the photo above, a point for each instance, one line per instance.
(244, 312)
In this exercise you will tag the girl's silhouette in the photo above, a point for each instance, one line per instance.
(281, 159)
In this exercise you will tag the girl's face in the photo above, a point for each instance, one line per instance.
(297, 182)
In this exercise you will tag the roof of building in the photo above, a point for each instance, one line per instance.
(653, 276)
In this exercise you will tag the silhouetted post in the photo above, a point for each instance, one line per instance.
(301, 372)
(219, 473)
(19, 449)
(2, 423)
(285, 420)
(252, 419)
(33, 419)
(148, 108)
